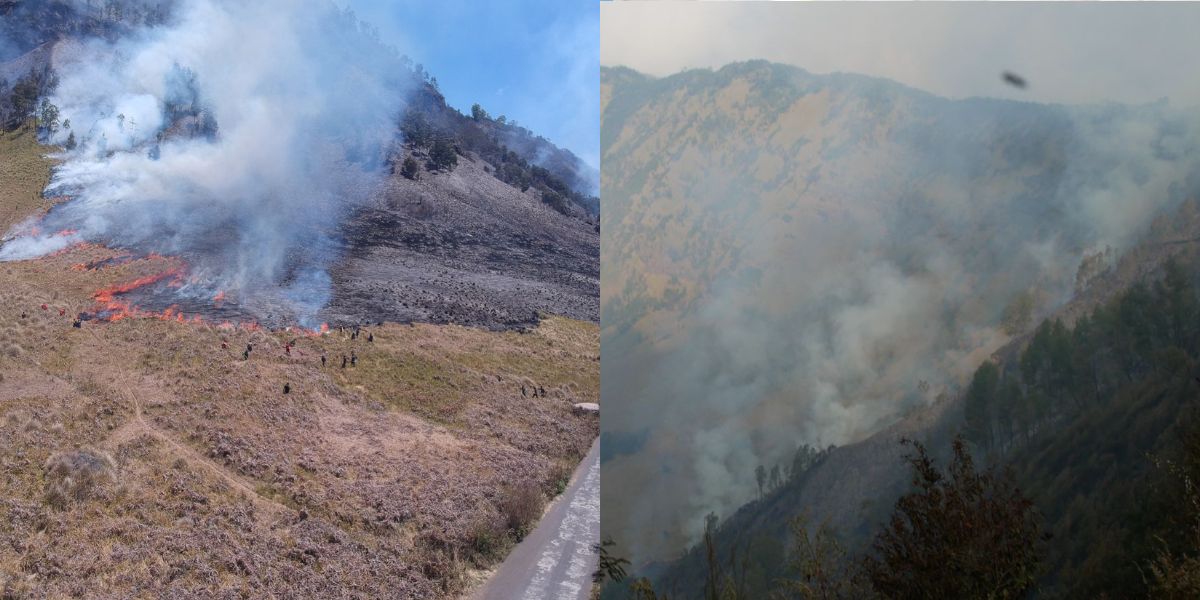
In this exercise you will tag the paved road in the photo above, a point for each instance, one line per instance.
(556, 561)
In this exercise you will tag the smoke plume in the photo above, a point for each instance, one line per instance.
(235, 135)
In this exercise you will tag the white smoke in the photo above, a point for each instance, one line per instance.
(236, 136)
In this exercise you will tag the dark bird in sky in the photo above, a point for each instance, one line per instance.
(1014, 80)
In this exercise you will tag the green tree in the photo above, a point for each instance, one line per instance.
(416, 129)
(442, 156)
(822, 568)
(24, 97)
(978, 404)
(478, 113)
(804, 458)
(1176, 575)
(1182, 308)
(962, 534)
(48, 116)
(409, 169)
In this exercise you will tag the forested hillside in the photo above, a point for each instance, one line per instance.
(1096, 424)
(1087, 416)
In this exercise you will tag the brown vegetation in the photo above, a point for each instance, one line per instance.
(144, 458)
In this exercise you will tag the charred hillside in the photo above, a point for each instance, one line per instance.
(465, 229)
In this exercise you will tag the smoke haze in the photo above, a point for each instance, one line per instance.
(791, 258)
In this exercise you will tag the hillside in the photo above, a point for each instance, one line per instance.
(490, 226)
(802, 259)
(193, 473)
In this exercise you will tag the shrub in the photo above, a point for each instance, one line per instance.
(410, 168)
(488, 539)
(75, 476)
(559, 479)
(442, 155)
(521, 506)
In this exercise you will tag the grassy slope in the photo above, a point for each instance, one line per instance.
(23, 176)
(374, 479)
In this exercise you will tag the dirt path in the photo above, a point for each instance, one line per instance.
(556, 560)
(139, 425)
(235, 481)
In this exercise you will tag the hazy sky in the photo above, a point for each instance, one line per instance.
(535, 61)
(1069, 52)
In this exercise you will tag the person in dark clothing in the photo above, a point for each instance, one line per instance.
(523, 392)
(286, 388)
(343, 361)
(370, 337)
(542, 391)
(77, 324)
(249, 348)
(246, 355)
(322, 360)
(353, 359)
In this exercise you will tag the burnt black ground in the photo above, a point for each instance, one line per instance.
(463, 247)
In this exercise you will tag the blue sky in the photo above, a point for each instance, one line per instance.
(534, 61)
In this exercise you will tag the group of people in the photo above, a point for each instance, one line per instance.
(351, 360)
(538, 391)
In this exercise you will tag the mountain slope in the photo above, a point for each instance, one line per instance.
(796, 258)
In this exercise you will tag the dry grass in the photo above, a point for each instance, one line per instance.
(380, 479)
